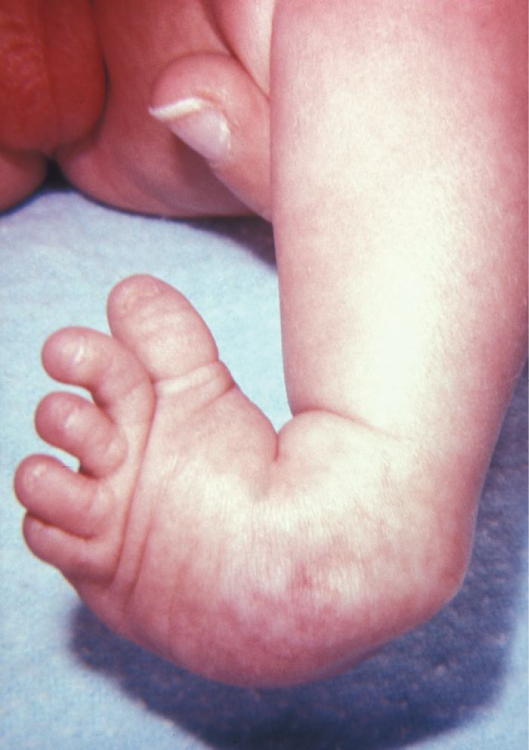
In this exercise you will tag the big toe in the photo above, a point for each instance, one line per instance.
(161, 327)
(214, 106)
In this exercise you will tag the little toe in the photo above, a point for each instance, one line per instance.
(77, 426)
(60, 497)
(166, 333)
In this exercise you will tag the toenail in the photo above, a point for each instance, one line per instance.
(136, 290)
(35, 474)
(79, 353)
(71, 420)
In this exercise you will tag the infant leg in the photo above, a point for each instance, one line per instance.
(399, 208)
(399, 211)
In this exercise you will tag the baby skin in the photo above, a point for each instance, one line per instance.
(386, 143)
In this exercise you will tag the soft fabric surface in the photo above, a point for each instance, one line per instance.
(457, 683)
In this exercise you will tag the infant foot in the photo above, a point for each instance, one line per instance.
(196, 531)
(170, 452)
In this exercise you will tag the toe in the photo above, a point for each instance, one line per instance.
(114, 376)
(77, 426)
(75, 557)
(162, 328)
(211, 103)
(68, 522)
(57, 496)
